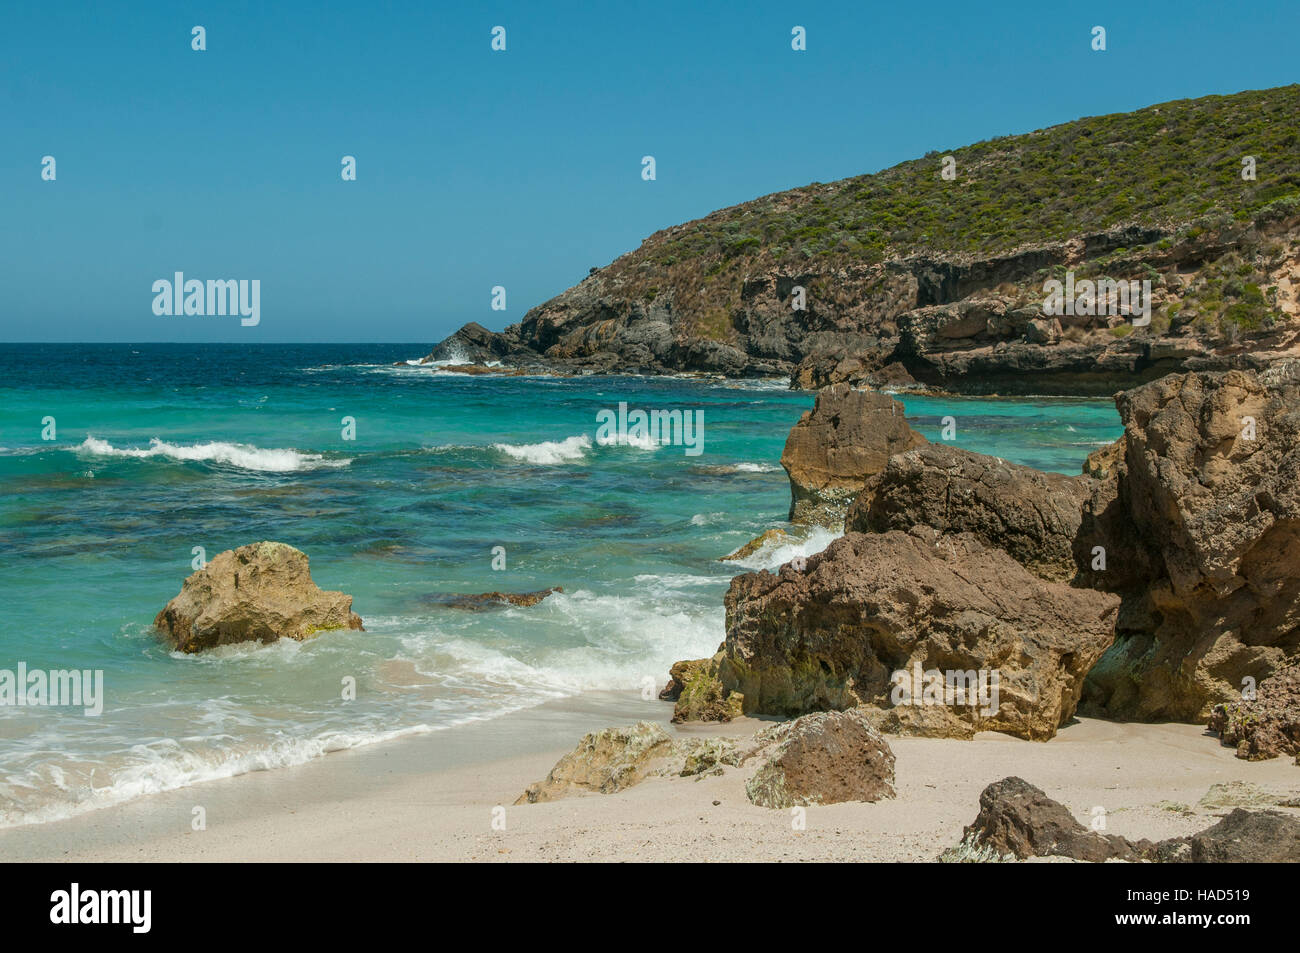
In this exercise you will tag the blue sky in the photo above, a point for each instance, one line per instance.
(519, 169)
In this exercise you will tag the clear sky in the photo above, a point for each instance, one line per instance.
(519, 168)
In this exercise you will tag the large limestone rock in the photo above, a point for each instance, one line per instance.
(605, 761)
(1033, 516)
(833, 635)
(1268, 725)
(847, 437)
(1207, 503)
(256, 593)
(823, 758)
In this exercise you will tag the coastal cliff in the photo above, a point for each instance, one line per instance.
(907, 278)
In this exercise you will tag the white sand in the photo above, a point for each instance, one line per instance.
(432, 797)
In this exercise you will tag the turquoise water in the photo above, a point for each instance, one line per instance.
(162, 448)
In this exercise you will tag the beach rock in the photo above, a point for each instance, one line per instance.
(823, 758)
(871, 605)
(496, 600)
(1207, 501)
(847, 437)
(1244, 794)
(605, 761)
(1267, 726)
(256, 593)
(1033, 516)
(1243, 837)
(1017, 820)
(772, 537)
(707, 756)
(700, 694)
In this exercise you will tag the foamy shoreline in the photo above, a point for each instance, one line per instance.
(432, 798)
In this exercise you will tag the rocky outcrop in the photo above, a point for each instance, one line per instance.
(1201, 526)
(847, 437)
(834, 635)
(699, 694)
(823, 758)
(1268, 725)
(605, 761)
(885, 281)
(256, 593)
(1033, 516)
(1017, 821)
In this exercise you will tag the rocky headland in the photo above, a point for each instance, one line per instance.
(905, 279)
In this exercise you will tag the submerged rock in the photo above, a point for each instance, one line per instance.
(823, 758)
(496, 600)
(847, 437)
(256, 593)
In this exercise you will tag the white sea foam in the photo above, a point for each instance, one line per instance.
(773, 555)
(244, 456)
(548, 452)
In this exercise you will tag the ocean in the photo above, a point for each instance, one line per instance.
(158, 449)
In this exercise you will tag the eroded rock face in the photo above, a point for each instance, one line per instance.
(832, 636)
(1267, 726)
(256, 593)
(1032, 515)
(1207, 502)
(847, 437)
(605, 761)
(823, 758)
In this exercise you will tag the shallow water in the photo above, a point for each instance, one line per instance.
(162, 448)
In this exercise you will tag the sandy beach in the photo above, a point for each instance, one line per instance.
(431, 798)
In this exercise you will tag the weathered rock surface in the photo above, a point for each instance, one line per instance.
(870, 605)
(256, 593)
(1243, 837)
(1267, 726)
(1017, 821)
(1032, 515)
(1202, 531)
(604, 762)
(848, 436)
(699, 693)
(822, 758)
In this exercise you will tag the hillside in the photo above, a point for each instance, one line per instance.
(911, 277)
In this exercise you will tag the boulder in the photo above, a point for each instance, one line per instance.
(847, 437)
(256, 593)
(699, 693)
(823, 758)
(1267, 726)
(1207, 505)
(1033, 516)
(1017, 820)
(834, 635)
(605, 761)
